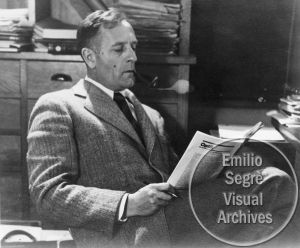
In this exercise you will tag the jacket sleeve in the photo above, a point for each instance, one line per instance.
(53, 169)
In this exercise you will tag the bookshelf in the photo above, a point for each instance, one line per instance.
(28, 75)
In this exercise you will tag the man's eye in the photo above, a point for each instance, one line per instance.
(119, 49)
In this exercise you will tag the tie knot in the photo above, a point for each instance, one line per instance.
(118, 96)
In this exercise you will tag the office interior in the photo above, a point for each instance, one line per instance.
(243, 56)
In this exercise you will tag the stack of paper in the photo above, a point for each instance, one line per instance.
(156, 24)
(15, 32)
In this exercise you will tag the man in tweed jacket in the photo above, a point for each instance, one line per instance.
(92, 170)
(89, 169)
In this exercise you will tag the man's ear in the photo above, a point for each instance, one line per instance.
(89, 57)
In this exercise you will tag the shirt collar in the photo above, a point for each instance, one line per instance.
(106, 90)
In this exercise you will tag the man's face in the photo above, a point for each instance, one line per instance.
(115, 59)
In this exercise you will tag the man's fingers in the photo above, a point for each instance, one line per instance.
(162, 186)
(163, 196)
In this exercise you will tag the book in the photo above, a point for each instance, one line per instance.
(15, 38)
(6, 43)
(9, 49)
(62, 48)
(50, 28)
(57, 47)
(37, 38)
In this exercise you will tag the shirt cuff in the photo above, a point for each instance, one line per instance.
(122, 209)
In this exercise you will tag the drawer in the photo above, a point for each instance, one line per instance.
(10, 153)
(11, 196)
(10, 78)
(9, 114)
(43, 77)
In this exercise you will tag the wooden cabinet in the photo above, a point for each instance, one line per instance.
(26, 76)
(44, 76)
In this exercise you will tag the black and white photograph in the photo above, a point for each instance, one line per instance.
(149, 123)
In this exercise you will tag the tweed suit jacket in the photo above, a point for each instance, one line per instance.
(83, 155)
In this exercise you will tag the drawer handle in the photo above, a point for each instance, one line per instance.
(13, 233)
(61, 77)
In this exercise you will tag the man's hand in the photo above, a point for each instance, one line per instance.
(148, 199)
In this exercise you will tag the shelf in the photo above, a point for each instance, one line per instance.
(149, 59)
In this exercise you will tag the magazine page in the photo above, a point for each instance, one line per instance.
(204, 149)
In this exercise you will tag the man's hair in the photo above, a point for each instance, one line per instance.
(91, 25)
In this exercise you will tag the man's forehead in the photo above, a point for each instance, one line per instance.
(122, 33)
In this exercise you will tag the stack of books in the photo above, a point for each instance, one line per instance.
(53, 36)
(15, 32)
(290, 106)
(288, 112)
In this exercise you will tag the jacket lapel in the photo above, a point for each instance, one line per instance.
(101, 105)
(153, 146)
(148, 130)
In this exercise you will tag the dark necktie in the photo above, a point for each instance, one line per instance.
(121, 102)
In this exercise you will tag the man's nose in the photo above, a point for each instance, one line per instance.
(132, 55)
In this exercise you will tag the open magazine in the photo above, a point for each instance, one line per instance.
(205, 150)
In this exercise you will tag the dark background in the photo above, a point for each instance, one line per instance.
(242, 52)
(241, 48)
